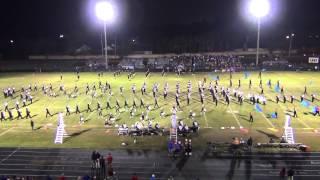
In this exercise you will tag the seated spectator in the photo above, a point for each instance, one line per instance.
(157, 126)
(195, 126)
(107, 123)
(186, 129)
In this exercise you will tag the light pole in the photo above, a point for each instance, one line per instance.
(104, 12)
(258, 43)
(290, 37)
(105, 43)
(259, 9)
(102, 46)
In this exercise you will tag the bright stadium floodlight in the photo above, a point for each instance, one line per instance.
(259, 9)
(104, 12)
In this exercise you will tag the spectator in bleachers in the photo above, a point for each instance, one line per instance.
(191, 63)
(153, 177)
(134, 177)
(86, 177)
(62, 177)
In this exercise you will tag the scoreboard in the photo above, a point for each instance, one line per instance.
(313, 60)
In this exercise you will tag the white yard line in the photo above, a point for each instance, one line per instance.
(268, 121)
(205, 118)
(306, 125)
(235, 117)
(6, 131)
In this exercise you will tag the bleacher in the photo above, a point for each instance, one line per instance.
(238, 60)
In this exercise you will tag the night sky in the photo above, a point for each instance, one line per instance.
(150, 22)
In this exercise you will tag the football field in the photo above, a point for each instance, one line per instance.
(220, 123)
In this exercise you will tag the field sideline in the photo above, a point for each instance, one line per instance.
(17, 133)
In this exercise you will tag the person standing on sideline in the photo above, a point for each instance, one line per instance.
(282, 173)
(32, 124)
(251, 118)
(109, 159)
(295, 113)
(102, 166)
(110, 172)
(290, 174)
(153, 177)
(249, 143)
(62, 177)
(134, 177)
(93, 158)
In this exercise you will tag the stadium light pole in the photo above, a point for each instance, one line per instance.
(259, 9)
(290, 37)
(104, 12)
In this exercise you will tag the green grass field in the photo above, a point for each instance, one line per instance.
(92, 134)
